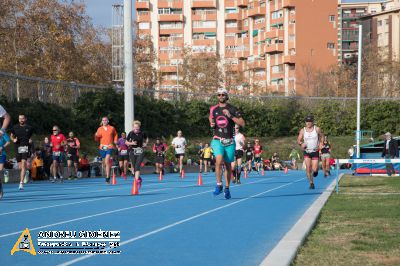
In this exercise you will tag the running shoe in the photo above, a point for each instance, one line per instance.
(238, 182)
(139, 182)
(227, 193)
(218, 190)
(70, 177)
(1, 190)
(21, 186)
(312, 186)
(107, 180)
(315, 174)
(234, 180)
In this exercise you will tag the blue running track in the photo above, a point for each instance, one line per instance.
(171, 222)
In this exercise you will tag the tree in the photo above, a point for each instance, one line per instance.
(52, 39)
(146, 75)
(201, 71)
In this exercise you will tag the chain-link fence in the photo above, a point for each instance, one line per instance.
(18, 87)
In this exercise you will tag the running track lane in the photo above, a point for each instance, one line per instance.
(173, 222)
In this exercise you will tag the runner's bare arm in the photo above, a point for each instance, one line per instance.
(6, 122)
(320, 137)
(300, 139)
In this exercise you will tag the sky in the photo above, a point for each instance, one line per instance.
(101, 11)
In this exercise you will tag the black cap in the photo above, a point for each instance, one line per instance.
(309, 118)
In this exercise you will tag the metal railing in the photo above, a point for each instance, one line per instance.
(18, 87)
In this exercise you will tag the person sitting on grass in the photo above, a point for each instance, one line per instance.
(276, 163)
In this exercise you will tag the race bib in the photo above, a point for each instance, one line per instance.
(137, 151)
(226, 142)
(124, 152)
(104, 148)
(56, 153)
(23, 149)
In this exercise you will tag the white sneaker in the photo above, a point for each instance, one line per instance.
(21, 186)
(53, 179)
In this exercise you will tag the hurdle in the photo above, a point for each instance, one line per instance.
(359, 161)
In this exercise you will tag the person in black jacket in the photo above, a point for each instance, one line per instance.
(390, 151)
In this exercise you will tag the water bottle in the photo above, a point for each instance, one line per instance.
(6, 176)
(26, 179)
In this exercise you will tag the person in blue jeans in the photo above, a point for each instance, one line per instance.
(223, 118)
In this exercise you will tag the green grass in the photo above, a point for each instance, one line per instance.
(359, 226)
(282, 145)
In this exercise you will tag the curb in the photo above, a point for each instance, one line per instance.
(286, 250)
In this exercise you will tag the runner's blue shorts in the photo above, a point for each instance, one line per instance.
(228, 152)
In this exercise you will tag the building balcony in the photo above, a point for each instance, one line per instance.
(288, 3)
(143, 17)
(143, 4)
(204, 3)
(242, 3)
(195, 30)
(289, 59)
(207, 42)
(256, 11)
(170, 31)
(167, 43)
(170, 17)
(204, 16)
(231, 30)
(274, 48)
(170, 4)
(257, 64)
(168, 68)
(166, 56)
(232, 16)
(242, 54)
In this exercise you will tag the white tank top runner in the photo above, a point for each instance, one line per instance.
(239, 138)
(311, 139)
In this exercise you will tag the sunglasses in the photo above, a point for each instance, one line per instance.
(219, 95)
(55, 129)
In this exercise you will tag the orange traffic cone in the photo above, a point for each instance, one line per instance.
(160, 178)
(135, 190)
(262, 172)
(200, 180)
(114, 179)
(286, 170)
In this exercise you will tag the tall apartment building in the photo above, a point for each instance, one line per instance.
(272, 42)
(382, 29)
(349, 12)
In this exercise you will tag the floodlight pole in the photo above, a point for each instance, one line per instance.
(128, 67)
(358, 133)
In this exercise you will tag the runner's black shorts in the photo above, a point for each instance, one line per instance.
(72, 157)
(122, 158)
(207, 159)
(178, 155)
(160, 159)
(136, 160)
(238, 154)
(22, 156)
(313, 155)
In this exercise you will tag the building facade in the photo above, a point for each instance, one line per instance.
(271, 43)
(382, 30)
(349, 13)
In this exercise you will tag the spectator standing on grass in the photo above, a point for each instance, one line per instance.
(390, 151)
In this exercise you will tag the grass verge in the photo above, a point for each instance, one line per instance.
(359, 226)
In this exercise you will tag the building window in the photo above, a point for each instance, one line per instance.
(144, 25)
(387, 21)
(332, 18)
(277, 14)
(379, 23)
(331, 45)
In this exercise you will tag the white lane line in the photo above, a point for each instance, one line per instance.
(122, 209)
(83, 192)
(181, 222)
(84, 201)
